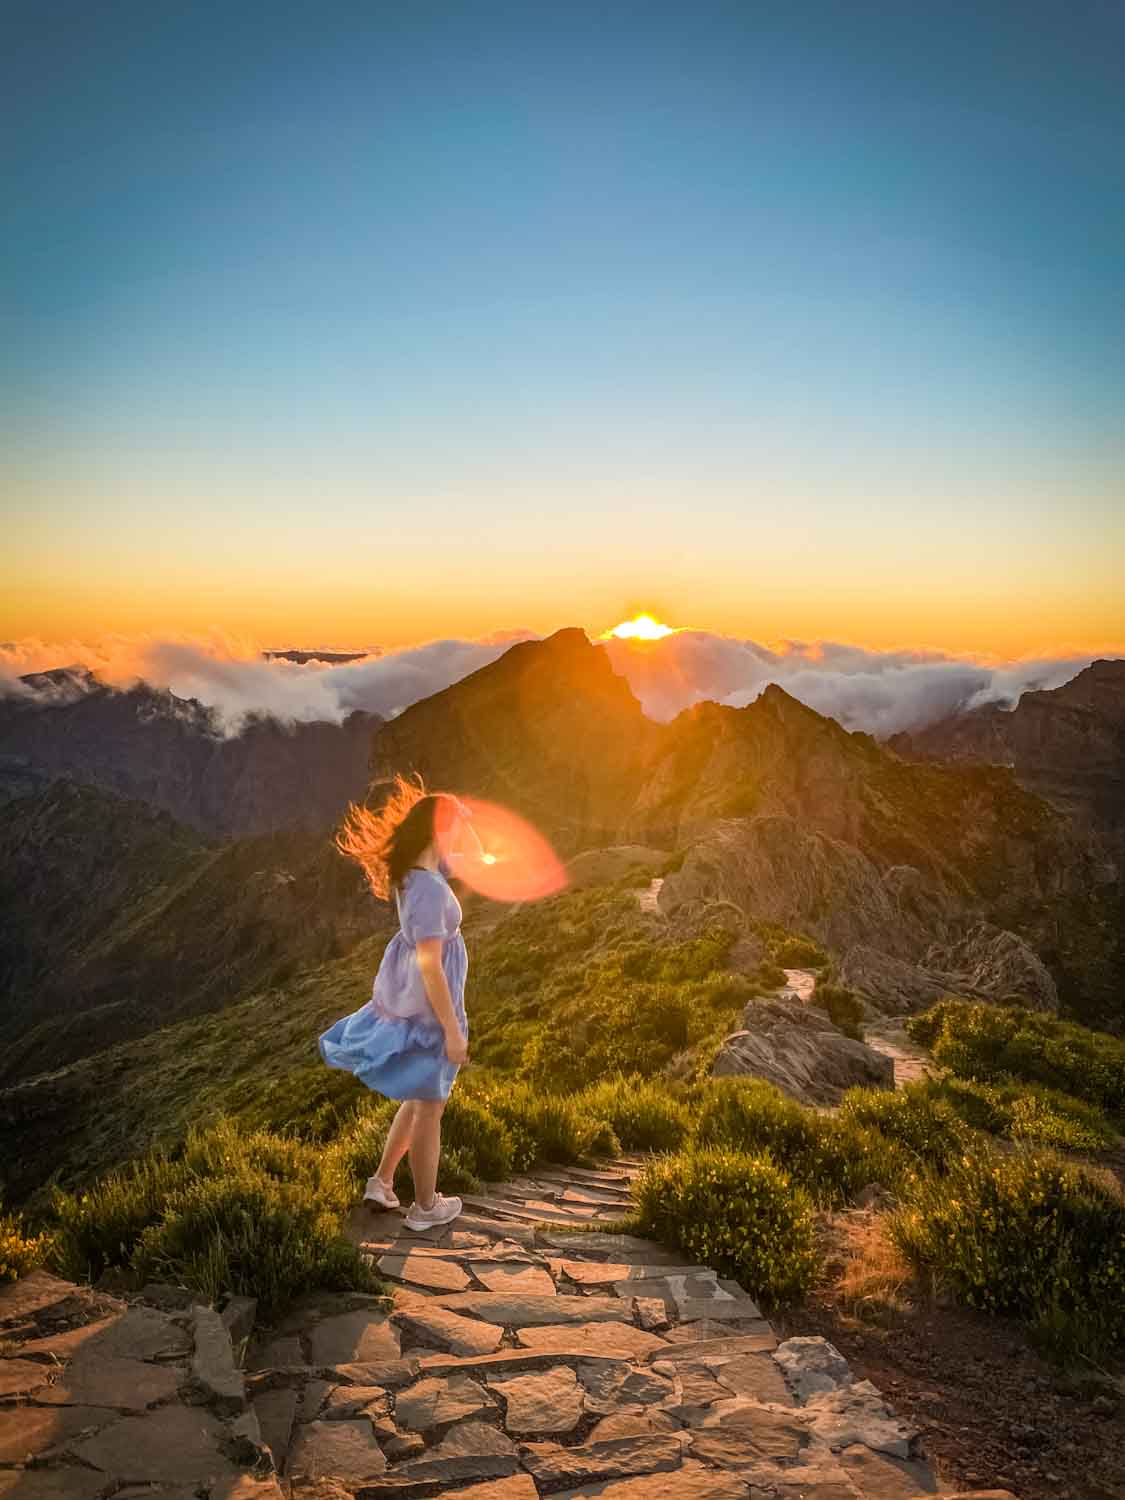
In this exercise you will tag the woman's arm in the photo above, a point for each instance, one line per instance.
(437, 992)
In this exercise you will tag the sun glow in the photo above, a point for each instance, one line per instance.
(641, 628)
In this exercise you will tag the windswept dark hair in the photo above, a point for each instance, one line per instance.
(387, 843)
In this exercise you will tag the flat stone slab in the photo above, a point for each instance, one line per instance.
(518, 1311)
(31, 1294)
(698, 1390)
(94, 1379)
(812, 1365)
(70, 1483)
(754, 1375)
(740, 1343)
(361, 1337)
(431, 1271)
(692, 1481)
(276, 1411)
(28, 1431)
(434, 1402)
(514, 1277)
(548, 1402)
(139, 1333)
(624, 1424)
(279, 1354)
(512, 1359)
(345, 1401)
(819, 1479)
(344, 1451)
(553, 1466)
(436, 1326)
(673, 1287)
(610, 1388)
(213, 1371)
(595, 1273)
(391, 1373)
(610, 1340)
(172, 1445)
(857, 1413)
(878, 1476)
(517, 1487)
(18, 1376)
(720, 1309)
(473, 1450)
(622, 1247)
(734, 1436)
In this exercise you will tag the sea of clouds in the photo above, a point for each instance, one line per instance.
(881, 692)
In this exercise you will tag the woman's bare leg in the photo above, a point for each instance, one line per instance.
(398, 1142)
(425, 1149)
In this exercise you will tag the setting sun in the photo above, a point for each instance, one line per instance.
(641, 628)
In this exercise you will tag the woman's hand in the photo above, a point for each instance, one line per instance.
(456, 1047)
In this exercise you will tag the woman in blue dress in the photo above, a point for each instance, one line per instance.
(410, 1039)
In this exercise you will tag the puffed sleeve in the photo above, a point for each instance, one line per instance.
(427, 909)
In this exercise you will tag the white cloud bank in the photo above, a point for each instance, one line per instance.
(878, 691)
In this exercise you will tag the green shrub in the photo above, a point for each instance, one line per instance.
(20, 1251)
(249, 1233)
(100, 1227)
(484, 1140)
(237, 1211)
(843, 1006)
(1026, 1112)
(644, 1116)
(1027, 1236)
(736, 1212)
(770, 976)
(925, 1124)
(546, 1127)
(799, 953)
(831, 1158)
(992, 1045)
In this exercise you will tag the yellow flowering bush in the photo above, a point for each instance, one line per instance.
(20, 1252)
(1024, 1235)
(739, 1213)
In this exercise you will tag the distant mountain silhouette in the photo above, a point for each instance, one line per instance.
(1066, 743)
(151, 746)
(777, 809)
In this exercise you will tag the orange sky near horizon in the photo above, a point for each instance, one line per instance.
(879, 611)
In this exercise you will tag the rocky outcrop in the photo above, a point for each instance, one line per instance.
(775, 869)
(797, 1048)
(990, 964)
(986, 963)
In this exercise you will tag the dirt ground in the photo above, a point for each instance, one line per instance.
(991, 1411)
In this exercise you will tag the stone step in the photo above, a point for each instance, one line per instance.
(750, 1341)
(525, 1213)
(596, 1178)
(532, 1202)
(518, 1309)
(596, 1245)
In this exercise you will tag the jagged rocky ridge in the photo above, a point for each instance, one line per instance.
(915, 875)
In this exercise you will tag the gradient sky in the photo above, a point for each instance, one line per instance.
(366, 323)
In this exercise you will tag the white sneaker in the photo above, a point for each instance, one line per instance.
(378, 1192)
(442, 1211)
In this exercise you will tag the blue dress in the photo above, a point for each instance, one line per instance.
(395, 1044)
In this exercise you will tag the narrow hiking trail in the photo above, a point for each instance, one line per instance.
(527, 1350)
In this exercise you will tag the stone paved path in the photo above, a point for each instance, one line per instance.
(911, 1062)
(529, 1350)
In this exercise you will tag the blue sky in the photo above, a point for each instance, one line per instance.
(311, 306)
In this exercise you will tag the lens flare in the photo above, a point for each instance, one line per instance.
(500, 854)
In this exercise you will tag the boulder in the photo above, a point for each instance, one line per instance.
(797, 1048)
(989, 963)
